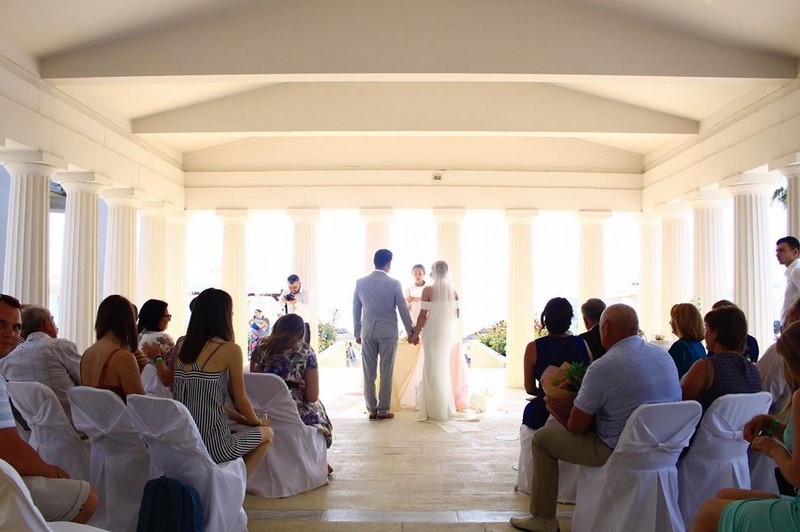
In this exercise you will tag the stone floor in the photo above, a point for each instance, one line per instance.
(403, 475)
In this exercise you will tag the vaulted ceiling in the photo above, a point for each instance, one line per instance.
(531, 85)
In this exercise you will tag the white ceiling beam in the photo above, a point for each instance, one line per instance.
(317, 40)
(415, 108)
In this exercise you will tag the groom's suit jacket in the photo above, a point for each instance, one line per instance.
(374, 302)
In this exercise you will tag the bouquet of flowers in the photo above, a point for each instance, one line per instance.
(561, 385)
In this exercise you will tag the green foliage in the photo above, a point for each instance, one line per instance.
(495, 337)
(327, 335)
(572, 377)
(779, 196)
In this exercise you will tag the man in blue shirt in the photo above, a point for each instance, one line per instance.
(57, 497)
(631, 373)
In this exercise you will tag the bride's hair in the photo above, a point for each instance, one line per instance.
(439, 269)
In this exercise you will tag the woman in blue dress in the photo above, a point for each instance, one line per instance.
(739, 510)
(687, 324)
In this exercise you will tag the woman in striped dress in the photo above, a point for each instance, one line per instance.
(209, 365)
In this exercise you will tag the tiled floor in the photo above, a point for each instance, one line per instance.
(403, 475)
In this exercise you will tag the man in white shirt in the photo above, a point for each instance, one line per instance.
(43, 357)
(787, 251)
(296, 299)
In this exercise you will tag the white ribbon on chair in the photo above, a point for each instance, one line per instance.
(52, 433)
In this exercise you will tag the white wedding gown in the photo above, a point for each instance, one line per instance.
(436, 402)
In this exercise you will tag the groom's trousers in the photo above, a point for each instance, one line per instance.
(374, 350)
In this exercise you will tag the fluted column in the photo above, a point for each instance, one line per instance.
(593, 272)
(80, 285)
(710, 265)
(377, 233)
(752, 251)
(448, 240)
(234, 269)
(119, 263)
(305, 260)
(789, 166)
(519, 325)
(25, 273)
(650, 284)
(676, 258)
(151, 264)
(177, 289)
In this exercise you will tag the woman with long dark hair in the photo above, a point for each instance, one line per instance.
(285, 354)
(114, 361)
(208, 367)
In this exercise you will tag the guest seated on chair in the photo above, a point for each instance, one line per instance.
(726, 370)
(751, 344)
(114, 361)
(208, 368)
(741, 510)
(154, 317)
(557, 347)
(285, 354)
(632, 373)
(56, 496)
(774, 379)
(687, 325)
(43, 357)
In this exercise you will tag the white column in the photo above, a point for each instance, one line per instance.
(26, 275)
(650, 284)
(676, 259)
(448, 240)
(151, 264)
(234, 269)
(376, 221)
(752, 251)
(80, 285)
(710, 266)
(519, 325)
(177, 288)
(305, 260)
(119, 263)
(789, 166)
(593, 272)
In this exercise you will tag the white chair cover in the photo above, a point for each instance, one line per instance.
(762, 472)
(120, 463)
(637, 489)
(17, 511)
(169, 431)
(567, 473)
(52, 433)
(717, 457)
(297, 460)
(152, 384)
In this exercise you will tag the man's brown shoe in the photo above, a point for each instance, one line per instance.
(386, 415)
(373, 417)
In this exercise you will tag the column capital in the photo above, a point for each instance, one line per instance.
(76, 181)
(303, 214)
(699, 199)
(671, 210)
(448, 214)
(788, 165)
(521, 215)
(33, 157)
(376, 214)
(593, 217)
(752, 183)
(155, 208)
(232, 215)
(122, 196)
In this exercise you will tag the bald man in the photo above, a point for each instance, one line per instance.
(631, 373)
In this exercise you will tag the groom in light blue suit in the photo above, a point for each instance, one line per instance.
(374, 302)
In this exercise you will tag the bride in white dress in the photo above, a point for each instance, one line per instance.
(438, 314)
